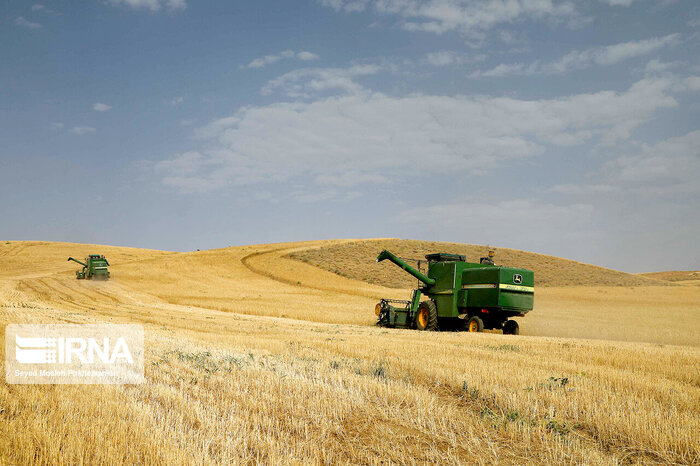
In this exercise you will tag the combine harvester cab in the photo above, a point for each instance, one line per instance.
(461, 294)
(94, 268)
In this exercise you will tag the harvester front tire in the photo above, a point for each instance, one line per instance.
(427, 316)
(475, 324)
(511, 327)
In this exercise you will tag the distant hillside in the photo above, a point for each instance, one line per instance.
(357, 260)
(41, 257)
(676, 276)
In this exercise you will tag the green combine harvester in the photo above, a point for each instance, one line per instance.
(94, 268)
(461, 294)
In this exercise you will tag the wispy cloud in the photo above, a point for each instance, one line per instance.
(618, 2)
(82, 130)
(57, 126)
(176, 100)
(470, 17)
(659, 180)
(22, 22)
(673, 163)
(100, 107)
(153, 5)
(448, 58)
(309, 81)
(42, 9)
(286, 54)
(581, 59)
(365, 134)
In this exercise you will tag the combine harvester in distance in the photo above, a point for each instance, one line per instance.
(94, 268)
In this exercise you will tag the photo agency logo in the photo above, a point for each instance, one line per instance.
(74, 354)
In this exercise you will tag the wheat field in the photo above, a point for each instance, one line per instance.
(256, 354)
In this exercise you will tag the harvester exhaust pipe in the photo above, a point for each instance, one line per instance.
(412, 270)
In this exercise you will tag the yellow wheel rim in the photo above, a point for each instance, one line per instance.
(423, 318)
(378, 309)
(473, 326)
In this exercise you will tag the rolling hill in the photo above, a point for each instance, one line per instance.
(253, 355)
(356, 260)
(684, 277)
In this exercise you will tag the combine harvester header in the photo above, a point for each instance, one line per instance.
(461, 295)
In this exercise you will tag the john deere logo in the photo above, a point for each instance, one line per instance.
(517, 279)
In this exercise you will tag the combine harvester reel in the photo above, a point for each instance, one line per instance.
(94, 268)
(461, 294)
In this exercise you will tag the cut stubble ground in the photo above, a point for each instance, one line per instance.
(253, 356)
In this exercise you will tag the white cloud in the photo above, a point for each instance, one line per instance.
(188, 163)
(21, 22)
(100, 107)
(448, 57)
(692, 83)
(506, 70)
(580, 59)
(304, 197)
(176, 100)
(57, 126)
(351, 178)
(442, 58)
(646, 200)
(270, 59)
(153, 5)
(673, 163)
(656, 66)
(618, 2)
(306, 56)
(470, 17)
(307, 81)
(574, 189)
(616, 53)
(664, 174)
(82, 130)
(184, 171)
(355, 138)
(42, 8)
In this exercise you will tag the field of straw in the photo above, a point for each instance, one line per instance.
(268, 354)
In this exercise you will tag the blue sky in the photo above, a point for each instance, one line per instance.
(566, 128)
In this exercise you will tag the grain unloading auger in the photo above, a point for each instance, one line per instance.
(460, 295)
(94, 268)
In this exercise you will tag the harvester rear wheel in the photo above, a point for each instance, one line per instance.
(427, 317)
(475, 324)
(511, 327)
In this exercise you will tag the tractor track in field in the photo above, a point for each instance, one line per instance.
(282, 253)
(246, 263)
(245, 260)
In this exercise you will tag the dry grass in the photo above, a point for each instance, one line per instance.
(228, 383)
(356, 260)
(40, 258)
(691, 277)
